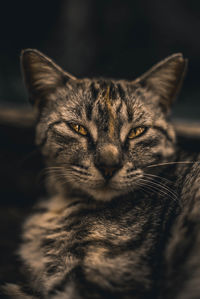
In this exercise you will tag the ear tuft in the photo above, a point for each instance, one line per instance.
(165, 78)
(41, 75)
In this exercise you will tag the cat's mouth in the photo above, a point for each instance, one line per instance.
(105, 185)
(108, 189)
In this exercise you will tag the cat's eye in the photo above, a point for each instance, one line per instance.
(136, 132)
(79, 129)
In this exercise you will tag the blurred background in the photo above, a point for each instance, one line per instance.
(112, 38)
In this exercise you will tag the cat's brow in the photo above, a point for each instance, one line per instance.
(138, 118)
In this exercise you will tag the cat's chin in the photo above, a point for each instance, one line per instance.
(104, 195)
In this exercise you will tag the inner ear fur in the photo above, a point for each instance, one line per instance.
(41, 75)
(165, 78)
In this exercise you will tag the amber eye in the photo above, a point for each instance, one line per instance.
(136, 132)
(79, 129)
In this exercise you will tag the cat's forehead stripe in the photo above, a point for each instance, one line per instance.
(111, 112)
(94, 91)
(108, 105)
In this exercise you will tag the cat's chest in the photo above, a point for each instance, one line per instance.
(106, 244)
(112, 226)
(105, 233)
(111, 246)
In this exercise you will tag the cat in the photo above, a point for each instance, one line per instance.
(122, 216)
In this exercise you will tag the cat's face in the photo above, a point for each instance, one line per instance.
(100, 136)
(103, 135)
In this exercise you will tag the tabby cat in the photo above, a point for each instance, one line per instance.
(122, 219)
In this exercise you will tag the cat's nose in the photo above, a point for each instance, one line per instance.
(108, 172)
(108, 160)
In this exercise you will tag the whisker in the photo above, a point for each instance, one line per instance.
(160, 184)
(167, 188)
(46, 171)
(157, 187)
(145, 187)
(171, 163)
(81, 172)
(53, 168)
(151, 188)
(158, 177)
(140, 186)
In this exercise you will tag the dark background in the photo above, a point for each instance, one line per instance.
(111, 38)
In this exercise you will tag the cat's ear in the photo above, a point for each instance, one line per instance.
(165, 79)
(41, 75)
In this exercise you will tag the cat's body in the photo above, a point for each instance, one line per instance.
(122, 220)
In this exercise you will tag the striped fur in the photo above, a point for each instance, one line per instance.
(119, 209)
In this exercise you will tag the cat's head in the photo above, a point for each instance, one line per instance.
(99, 135)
